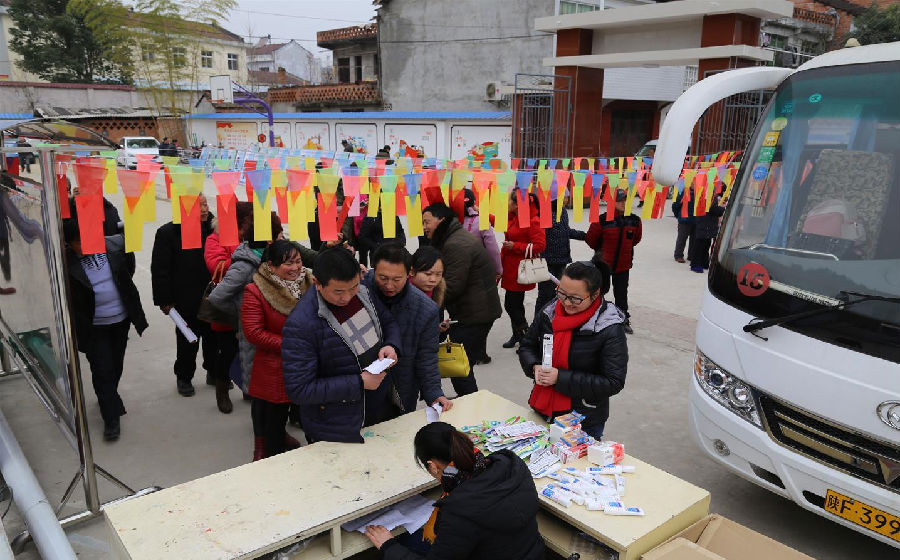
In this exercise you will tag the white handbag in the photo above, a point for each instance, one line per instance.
(532, 270)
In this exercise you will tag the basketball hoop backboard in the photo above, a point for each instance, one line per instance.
(220, 90)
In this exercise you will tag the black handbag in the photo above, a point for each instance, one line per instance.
(207, 311)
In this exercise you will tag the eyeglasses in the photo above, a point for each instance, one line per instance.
(564, 297)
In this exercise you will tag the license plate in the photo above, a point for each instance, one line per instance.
(863, 515)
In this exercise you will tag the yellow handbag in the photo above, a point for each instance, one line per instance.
(452, 359)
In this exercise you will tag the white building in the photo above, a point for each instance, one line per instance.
(266, 56)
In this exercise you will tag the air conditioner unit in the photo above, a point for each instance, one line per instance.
(492, 92)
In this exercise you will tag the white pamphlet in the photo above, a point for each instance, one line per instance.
(378, 366)
(433, 413)
(182, 326)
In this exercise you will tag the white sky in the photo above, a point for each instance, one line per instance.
(297, 19)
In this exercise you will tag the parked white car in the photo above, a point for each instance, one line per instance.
(132, 146)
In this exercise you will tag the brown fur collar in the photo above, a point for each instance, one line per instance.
(277, 295)
(439, 292)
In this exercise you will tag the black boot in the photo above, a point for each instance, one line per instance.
(513, 340)
(111, 430)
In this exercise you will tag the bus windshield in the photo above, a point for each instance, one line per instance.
(815, 215)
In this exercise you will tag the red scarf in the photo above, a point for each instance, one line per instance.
(547, 400)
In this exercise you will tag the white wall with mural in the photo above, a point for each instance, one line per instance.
(411, 140)
(363, 137)
(480, 142)
(313, 135)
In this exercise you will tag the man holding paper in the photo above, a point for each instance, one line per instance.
(418, 319)
(336, 348)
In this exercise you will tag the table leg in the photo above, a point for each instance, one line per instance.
(336, 541)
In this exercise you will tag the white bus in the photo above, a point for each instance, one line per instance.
(796, 383)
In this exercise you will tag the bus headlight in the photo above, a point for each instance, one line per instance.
(726, 389)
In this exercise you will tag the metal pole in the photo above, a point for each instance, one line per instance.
(54, 244)
(31, 502)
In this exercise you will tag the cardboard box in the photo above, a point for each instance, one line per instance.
(717, 538)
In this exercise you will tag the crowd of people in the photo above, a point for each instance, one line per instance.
(296, 328)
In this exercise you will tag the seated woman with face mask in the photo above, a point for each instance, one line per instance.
(488, 507)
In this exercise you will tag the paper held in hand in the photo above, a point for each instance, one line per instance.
(379, 366)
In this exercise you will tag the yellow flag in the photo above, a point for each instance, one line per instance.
(649, 198)
(484, 216)
(414, 216)
(501, 210)
(110, 182)
(629, 201)
(388, 214)
(262, 217)
(297, 215)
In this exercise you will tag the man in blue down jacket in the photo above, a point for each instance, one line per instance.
(327, 341)
(418, 319)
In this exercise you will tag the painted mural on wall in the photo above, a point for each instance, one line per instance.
(313, 136)
(236, 135)
(282, 130)
(411, 140)
(363, 138)
(480, 143)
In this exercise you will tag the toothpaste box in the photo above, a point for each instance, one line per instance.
(606, 453)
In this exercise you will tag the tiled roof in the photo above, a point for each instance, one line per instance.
(275, 78)
(265, 49)
(355, 34)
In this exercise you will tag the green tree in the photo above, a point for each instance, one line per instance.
(876, 25)
(59, 46)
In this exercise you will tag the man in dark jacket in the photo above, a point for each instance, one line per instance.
(105, 303)
(179, 279)
(614, 241)
(686, 225)
(418, 318)
(706, 229)
(327, 342)
(471, 298)
(558, 254)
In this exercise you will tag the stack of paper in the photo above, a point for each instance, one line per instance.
(412, 513)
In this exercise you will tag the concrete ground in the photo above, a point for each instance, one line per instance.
(168, 439)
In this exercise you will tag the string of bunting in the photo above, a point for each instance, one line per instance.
(303, 187)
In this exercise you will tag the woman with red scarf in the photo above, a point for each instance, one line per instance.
(590, 353)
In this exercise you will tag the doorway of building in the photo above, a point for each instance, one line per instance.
(629, 130)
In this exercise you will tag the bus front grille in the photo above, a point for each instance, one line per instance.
(831, 444)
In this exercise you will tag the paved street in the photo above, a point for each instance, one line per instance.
(168, 439)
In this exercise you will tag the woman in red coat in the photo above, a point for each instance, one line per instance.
(218, 259)
(518, 239)
(268, 300)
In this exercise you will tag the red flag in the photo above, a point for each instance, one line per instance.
(546, 210)
(328, 218)
(62, 189)
(226, 206)
(190, 221)
(524, 208)
(90, 223)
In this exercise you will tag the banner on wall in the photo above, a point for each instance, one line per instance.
(480, 143)
(411, 140)
(282, 131)
(236, 135)
(313, 136)
(363, 138)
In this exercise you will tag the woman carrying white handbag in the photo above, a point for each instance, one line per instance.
(522, 267)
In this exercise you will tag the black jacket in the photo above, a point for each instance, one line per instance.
(598, 360)
(81, 293)
(179, 275)
(707, 225)
(471, 297)
(488, 517)
(371, 234)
